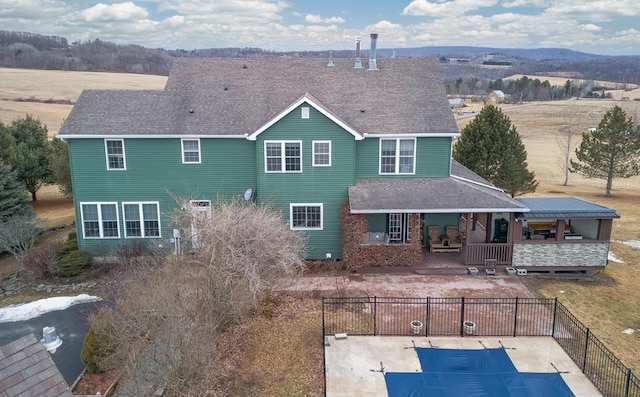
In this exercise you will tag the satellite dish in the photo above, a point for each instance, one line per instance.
(248, 194)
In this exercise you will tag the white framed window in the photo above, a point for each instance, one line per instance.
(304, 112)
(321, 153)
(190, 151)
(141, 219)
(114, 150)
(99, 220)
(304, 216)
(398, 156)
(283, 156)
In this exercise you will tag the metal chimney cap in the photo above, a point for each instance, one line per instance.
(374, 35)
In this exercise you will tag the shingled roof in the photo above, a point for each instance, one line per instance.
(26, 369)
(222, 97)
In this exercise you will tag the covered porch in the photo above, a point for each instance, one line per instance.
(428, 222)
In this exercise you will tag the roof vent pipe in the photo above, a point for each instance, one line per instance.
(358, 63)
(50, 340)
(330, 64)
(372, 54)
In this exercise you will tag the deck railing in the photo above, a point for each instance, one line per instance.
(475, 254)
(482, 317)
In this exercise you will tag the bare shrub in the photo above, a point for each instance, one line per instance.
(174, 318)
(18, 235)
(41, 262)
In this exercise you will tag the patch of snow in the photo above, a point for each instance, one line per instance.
(35, 309)
(628, 331)
(561, 291)
(612, 258)
(631, 243)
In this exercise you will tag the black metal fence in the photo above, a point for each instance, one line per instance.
(482, 317)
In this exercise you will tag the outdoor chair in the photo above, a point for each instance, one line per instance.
(453, 234)
(435, 242)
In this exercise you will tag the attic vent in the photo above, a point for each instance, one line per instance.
(305, 112)
(244, 66)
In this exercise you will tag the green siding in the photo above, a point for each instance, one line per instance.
(154, 172)
(433, 158)
(326, 185)
(377, 222)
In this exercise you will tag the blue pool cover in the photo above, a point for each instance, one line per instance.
(486, 372)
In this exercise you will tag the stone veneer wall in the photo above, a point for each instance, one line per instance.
(592, 253)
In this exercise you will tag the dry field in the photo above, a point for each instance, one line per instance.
(18, 85)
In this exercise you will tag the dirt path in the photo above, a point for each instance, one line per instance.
(411, 286)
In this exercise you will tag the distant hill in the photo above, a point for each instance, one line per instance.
(34, 51)
(535, 54)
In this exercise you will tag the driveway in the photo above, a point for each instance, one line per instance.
(71, 326)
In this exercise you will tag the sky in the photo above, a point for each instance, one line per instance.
(607, 27)
(27, 311)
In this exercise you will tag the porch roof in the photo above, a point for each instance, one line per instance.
(428, 195)
(564, 207)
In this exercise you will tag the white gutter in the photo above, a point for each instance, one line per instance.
(143, 136)
(439, 211)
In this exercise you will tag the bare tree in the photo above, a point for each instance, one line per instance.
(569, 132)
(173, 313)
(18, 235)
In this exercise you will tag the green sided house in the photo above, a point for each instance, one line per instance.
(357, 157)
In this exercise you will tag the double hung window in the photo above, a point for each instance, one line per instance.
(141, 219)
(114, 149)
(283, 156)
(100, 220)
(397, 156)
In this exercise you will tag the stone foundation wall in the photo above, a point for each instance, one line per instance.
(593, 253)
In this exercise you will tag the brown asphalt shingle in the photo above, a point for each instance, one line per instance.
(238, 96)
(26, 369)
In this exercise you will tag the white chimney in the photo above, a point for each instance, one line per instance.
(372, 54)
(358, 63)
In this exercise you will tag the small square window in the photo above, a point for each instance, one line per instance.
(305, 112)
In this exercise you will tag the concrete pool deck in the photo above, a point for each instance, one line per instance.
(355, 365)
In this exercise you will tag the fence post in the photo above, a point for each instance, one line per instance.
(324, 356)
(428, 317)
(375, 312)
(515, 319)
(555, 311)
(627, 386)
(586, 347)
(462, 317)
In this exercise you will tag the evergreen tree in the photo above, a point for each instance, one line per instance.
(7, 145)
(13, 200)
(60, 166)
(491, 147)
(32, 154)
(612, 151)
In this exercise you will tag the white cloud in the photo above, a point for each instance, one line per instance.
(447, 8)
(115, 12)
(590, 27)
(311, 18)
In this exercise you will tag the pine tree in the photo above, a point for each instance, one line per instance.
(13, 200)
(491, 147)
(60, 166)
(32, 154)
(612, 151)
